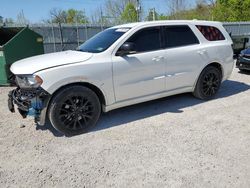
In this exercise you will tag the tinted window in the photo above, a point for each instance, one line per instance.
(211, 33)
(179, 36)
(146, 39)
(103, 40)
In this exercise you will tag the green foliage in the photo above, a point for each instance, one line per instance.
(114, 11)
(74, 16)
(152, 15)
(68, 16)
(163, 17)
(202, 11)
(129, 14)
(221, 10)
(232, 10)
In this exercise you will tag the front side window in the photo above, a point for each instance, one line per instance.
(210, 33)
(102, 40)
(146, 39)
(177, 36)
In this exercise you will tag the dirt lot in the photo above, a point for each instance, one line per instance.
(172, 142)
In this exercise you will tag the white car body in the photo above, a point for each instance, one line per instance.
(137, 77)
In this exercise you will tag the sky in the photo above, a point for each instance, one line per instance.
(38, 10)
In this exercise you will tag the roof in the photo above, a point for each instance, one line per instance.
(136, 24)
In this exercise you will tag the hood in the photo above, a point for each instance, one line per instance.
(41, 62)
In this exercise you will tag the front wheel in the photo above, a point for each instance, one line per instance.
(208, 83)
(74, 110)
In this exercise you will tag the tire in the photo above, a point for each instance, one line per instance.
(208, 83)
(74, 110)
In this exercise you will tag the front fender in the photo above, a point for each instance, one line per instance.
(55, 78)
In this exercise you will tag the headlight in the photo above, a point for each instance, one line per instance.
(28, 81)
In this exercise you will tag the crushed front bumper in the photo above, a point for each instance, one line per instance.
(32, 102)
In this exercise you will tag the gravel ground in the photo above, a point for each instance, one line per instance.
(176, 141)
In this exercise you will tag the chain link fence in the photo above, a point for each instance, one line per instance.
(60, 37)
(65, 37)
(240, 34)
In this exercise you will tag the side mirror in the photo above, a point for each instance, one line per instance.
(126, 48)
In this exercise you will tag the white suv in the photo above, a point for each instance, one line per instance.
(121, 66)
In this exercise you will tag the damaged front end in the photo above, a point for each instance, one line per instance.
(30, 102)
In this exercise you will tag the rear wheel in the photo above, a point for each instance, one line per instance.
(74, 110)
(208, 83)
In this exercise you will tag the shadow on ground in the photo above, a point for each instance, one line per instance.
(173, 104)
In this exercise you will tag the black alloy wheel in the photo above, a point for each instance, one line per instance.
(211, 84)
(74, 110)
(208, 83)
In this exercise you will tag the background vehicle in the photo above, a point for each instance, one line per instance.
(239, 43)
(121, 66)
(243, 61)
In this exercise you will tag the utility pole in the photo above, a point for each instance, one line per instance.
(101, 19)
(77, 33)
(53, 35)
(153, 14)
(138, 9)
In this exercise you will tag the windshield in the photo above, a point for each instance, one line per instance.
(102, 40)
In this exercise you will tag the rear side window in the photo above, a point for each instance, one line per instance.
(176, 36)
(147, 39)
(211, 33)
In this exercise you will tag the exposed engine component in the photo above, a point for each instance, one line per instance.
(28, 101)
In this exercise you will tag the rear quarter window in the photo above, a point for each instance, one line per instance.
(211, 33)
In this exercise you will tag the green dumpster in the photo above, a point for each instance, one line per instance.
(16, 44)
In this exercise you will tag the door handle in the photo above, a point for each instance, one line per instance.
(201, 52)
(157, 58)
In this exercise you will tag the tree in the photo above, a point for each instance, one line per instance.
(8, 21)
(1, 19)
(115, 8)
(163, 17)
(58, 16)
(202, 11)
(152, 15)
(176, 7)
(21, 19)
(232, 10)
(76, 16)
(99, 18)
(129, 14)
(68, 16)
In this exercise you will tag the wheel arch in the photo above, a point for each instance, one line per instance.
(94, 88)
(90, 86)
(213, 64)
(216, 65)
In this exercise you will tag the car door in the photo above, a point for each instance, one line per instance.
(184, 57)
(142, 73)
